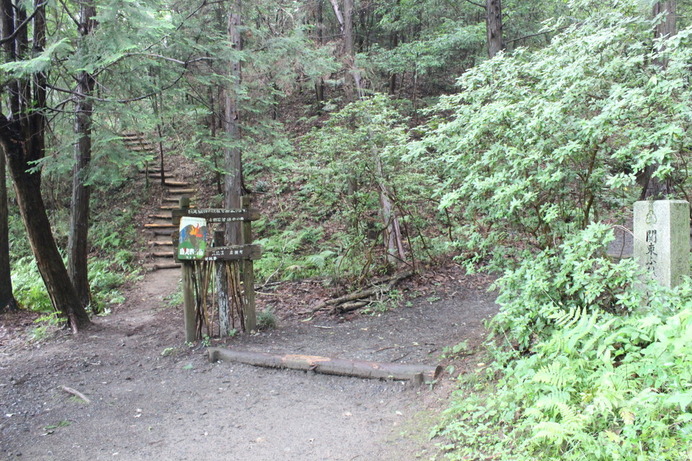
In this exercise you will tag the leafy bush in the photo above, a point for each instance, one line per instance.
(576, 277)
(355, 160)
(536, 145)
(28, 286)
(606, 374)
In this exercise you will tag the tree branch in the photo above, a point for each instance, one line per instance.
(69, 13)
(559, 29)
(24, 23)
(477, 4)
(337, 12)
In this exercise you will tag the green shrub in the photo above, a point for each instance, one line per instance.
(537, 145)
(602, 371)
(28, 286)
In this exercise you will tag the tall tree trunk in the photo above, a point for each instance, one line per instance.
(7, 301)
(233, 181)
(348, 43)
(653, 187)
(233, 166)
(319, 85)
(354, 85)
(22, 137)
(668, 26)
(50, 265)
(77, 245)
(493, 21)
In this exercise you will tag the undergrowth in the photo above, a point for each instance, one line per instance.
(111, 260)
(590, 363)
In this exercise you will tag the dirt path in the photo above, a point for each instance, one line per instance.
(154, 398)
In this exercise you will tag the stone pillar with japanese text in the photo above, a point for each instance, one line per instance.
(662, 239)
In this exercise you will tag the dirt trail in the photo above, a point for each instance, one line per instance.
(154, 398)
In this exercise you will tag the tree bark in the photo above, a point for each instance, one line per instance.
(7, 300)
(393, 241)
(22, 136)
(233, 180)
(493, 18)
(53, 272)
(668, 27)
(319, 85)
(653, 187)
(77, 246)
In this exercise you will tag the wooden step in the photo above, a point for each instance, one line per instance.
(161, 266)
(158, 243)
(182, 191)
(160, 216)
(172, 200)
(162, 254)
(170, 183)
(139, 148)
(133, 134)
(171, 207)
(163, 232)
(156, 174)
(155, 225)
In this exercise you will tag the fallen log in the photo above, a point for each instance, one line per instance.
(330, 366)
(348, 307)
(391, 281)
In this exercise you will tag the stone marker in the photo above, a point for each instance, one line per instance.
(662, 239)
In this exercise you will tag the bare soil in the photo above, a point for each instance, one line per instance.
(152, 397)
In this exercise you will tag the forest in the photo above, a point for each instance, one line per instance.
(509, 138)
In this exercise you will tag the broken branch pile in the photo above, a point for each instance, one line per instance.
(358, 299)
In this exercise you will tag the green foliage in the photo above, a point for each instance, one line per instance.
(45, 326)
(353, 157)
(536, 145)
(266, 320)
(28, 287)
(574, 278)
(292, 255)
(593, 382)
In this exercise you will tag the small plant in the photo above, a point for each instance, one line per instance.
(51, 427)
(384, 303)
(46, 325)
(266, 320)
(169, 351)
(458, 350)
(175, 298)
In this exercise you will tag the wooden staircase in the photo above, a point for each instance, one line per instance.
(159, 226)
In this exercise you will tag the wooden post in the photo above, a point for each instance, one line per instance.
(250, 314)
(189, 301)
(222, 289)
(188, 285)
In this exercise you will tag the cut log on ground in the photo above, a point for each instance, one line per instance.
(418, 374)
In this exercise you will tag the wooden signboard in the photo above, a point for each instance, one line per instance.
(218, 215)
(192, 243)
(234, 253)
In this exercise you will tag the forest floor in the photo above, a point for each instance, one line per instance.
(153, 397)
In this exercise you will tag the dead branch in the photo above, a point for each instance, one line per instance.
(366, 293)
(76, 393)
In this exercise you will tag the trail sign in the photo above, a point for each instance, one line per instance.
(192, 242)
(234, 253)
(218, 215)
